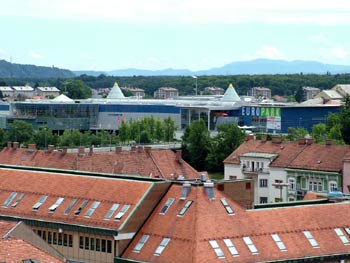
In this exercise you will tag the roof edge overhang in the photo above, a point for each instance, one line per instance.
(321, 258)
(335, 173)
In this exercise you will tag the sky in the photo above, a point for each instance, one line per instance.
(181, 34)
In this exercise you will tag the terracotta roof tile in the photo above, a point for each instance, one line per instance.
(157, 163)
(208, 220)
(105, 190)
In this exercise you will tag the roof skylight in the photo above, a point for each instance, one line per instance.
(57, 204)
(279, 242)
(92, 208)
(81, 207)
(217, 249)
(166, 206)
(227, 206)
(347, 230)
(111, 211)
(341, 235)
(161, 246)
(19, 198)
(311, 239)
(185, 208)
(250, 245)
(141, 243)
(122, 212)
(231, 247)
(40, 202)
(9, 199)
(69, 208)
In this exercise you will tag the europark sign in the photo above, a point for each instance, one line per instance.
(272, 114)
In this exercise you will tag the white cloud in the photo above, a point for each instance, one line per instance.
(270, 52)
(320, 38)
(186, 11)
(339, 52)
(35, 55)
(3, 53)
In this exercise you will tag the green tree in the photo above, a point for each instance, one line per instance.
(299, 95)
(44, 137)
(76, 89)
(196, 144)
(70, 138)
(345, 120)
(319, 133)
(124, 132)
(169, 129)
(20, 131)
(229, 137)
(145, 137)
(296, 133)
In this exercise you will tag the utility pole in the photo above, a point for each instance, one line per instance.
(280, 187)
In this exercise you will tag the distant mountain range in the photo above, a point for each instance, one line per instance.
(253, 67)
(13, 70)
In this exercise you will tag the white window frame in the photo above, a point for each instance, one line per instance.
(331, 185)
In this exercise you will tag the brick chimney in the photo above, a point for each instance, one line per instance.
(140, 149)
(31, 147)
(133, 148)
(118, 149)
(50, 148)
(81, 151)
(64, 150)
(91, 150)
(329, 142)
(309, 141)
(276, 139)
(9, 145)
(178, 155)
(249, 137)
(301, 141)
(148, 149)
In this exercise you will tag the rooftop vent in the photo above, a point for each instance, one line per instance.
(81, 151)
(186, 189)
(31, 147)
(118, 149)
(329, 142)
(276, 139)
(15, 145)
(203, 177)
(9, 145)
(209, 189)
(64, 150)
(50, 148)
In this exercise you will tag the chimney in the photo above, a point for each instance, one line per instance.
(178, 155)
(140, 149)
(209, 189)
(264, 138)
(148, 149)
(133, 148)
(64, 150)
(329, 142)
(186, 189)
(91, 150)
(50, 148)
(81, 151)
(309, 141)
(118, 149)
(9, 145)
(276, 139)
(203, 177)
(249, 137)
(15, 145)
(301, 141)
(31, 147)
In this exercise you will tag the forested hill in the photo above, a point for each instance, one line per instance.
(12, 70)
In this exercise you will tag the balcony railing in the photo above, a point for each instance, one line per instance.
(256, 171)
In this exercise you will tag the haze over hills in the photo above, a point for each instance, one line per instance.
(253, 67)
(13, 70)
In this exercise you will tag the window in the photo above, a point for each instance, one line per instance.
(166, 206)
(57, 204)
(342, 236)
(109, 246)
(98, 244)
(263, 182)
(111, 211)
(311, 239)
(185, 208)
(161, 246)
(54, 241)
(92, 208)
(103, 245)
(263, 200)
(40, 202)
(248, 186)
(141, 243)
(9, 199)
(279, 242)
(65, 240)
(69, 208)
(92, 244)
(231, 247)
(70, 240)
(44, 235)
(250, 245)
(333, 186)
(315, 184)
(19, 198)
(81, 207)
(81, 242)
(60, 239)
(291, 182)
(228, 208)
(122, 212)
(87, 246)
(49, 237)
(217, 249)
(347, 230)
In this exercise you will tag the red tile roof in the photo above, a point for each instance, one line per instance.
(153, 163)
(208, 220)
(294, 155)
(36, 184)
(16, 250)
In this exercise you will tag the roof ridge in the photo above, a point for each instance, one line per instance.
(155, 163)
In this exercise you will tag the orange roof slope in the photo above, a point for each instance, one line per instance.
(34, 185)
(207, 220)
(152, 163)
(295, 155)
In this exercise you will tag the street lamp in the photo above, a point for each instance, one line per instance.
(280, 187)
(195, 77)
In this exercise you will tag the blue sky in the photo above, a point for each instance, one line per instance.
(158, 34)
